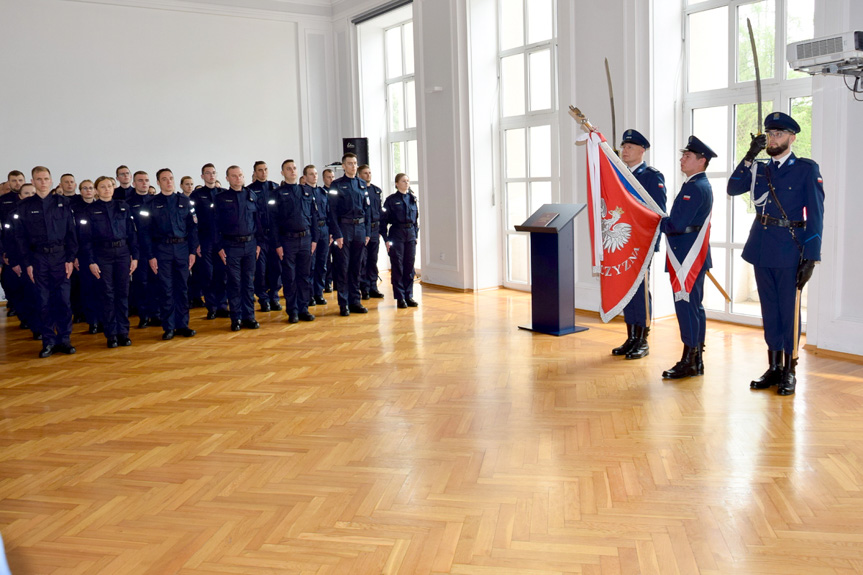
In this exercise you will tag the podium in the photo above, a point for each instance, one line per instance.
(552, 274)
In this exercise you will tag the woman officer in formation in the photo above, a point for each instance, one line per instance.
(399, 231)
(108, 249)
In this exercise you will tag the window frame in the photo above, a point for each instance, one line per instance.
(777, 94)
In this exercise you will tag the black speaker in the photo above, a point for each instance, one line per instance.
(358, 146)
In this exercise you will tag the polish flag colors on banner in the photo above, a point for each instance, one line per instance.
(624, 225)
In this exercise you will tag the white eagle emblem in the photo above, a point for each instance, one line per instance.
(614, 235)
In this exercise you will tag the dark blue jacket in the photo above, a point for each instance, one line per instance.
(42, 223)
(169, 217)
(204, 201)
(800, 190)
(293, 211)
(654, 182)
(264, 192)
(350, 201)
(691, 207)
(104, 222)
(322, 206)
(401, 218)
(236, 215)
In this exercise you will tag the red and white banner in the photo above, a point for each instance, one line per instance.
(624, 225)
(683, 274)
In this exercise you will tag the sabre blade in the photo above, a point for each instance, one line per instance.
(757, 73)
(611, 98)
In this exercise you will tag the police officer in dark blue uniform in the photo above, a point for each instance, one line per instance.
(268, 268)
(170, 242)
(294, 229)
(8, 279)
(369, 275)
(351, 208)
(209, 270)
(47, 246)
(125, 188)
(109, 253)
(238, 229)
(327, 177)
(318, 272)
(637, 312)
(89, 304)
(400, 228)
(784, 241)
(143, 292)
(683, 229)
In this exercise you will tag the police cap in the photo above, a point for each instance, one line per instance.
(635, 137)
(696, 146)
(781, 121)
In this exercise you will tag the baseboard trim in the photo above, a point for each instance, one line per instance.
(813, 349)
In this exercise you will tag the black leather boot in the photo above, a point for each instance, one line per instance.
(789, 376)
(627, 345)
(699, 364)
(686, 367)
(773, 375)
(639, 347)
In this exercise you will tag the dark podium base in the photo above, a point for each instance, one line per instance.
(564, 331)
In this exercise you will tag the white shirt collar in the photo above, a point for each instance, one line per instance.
(692, 176)
(635, 167)
(782, 159)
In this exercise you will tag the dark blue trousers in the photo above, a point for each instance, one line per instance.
(90, 294)
(691, 317)
(777, 290)
(402, 259)
(144, 291)
(348, 265)
(241, 279)
(296, 263)
(173, 280)
(319, 268)
(209, 272)
(268, 274)
(52, 298)
(369, 275)
(635, 312)
(113, 289)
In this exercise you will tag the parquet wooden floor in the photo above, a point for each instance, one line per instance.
(433, 440)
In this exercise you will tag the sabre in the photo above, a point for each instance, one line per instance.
(718, 286)
(758, 98)
(613, 119)
(757, 73)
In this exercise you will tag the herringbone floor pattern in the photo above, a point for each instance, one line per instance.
(433, 440)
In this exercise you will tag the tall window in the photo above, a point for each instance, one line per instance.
(401, 106)
(720, 108)
(527, 122)
(401, 101)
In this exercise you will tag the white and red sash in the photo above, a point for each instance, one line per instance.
(683, 275)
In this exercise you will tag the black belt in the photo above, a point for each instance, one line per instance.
(687, 230)
(407, 226)
(292, 235)
(171, 240)
(375, 224)
(238, 239)
(770, 221)
(111, 243)
(352, 220)
(322, 223)
(47, 248)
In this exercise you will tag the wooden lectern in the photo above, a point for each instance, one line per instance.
(552, 268)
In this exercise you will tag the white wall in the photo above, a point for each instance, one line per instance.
(105, 85)
(835, 318)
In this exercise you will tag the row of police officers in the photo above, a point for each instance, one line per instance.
(224, 234)
(783, 246)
